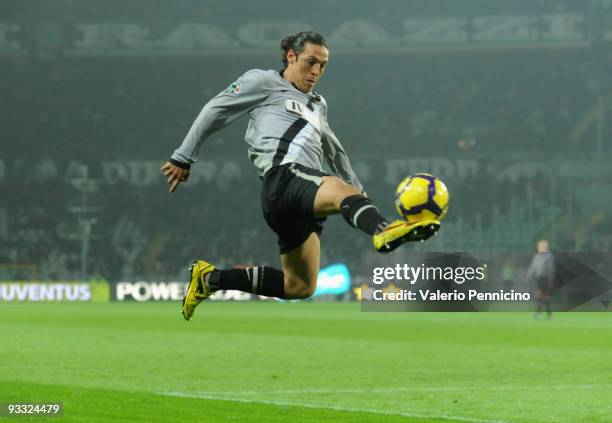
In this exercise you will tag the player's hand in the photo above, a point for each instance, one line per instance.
(175, 175)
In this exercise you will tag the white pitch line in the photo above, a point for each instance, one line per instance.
(326, 407)
(401, 389)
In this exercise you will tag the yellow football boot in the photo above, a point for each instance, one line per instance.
(197, 291)
(400, 231)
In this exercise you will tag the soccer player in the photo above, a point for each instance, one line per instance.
(542, 272)
(288, 136)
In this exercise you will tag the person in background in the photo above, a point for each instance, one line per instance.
(541, 273)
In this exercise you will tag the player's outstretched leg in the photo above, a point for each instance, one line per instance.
(336, 196)
(197, 290)
(359, 212)
(401, 231)
(206, 280)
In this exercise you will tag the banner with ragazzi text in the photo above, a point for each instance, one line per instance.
(500, 282)
(122, 36)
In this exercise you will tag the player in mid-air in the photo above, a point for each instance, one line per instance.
(288, 137)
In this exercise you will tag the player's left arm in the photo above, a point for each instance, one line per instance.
(336, 156)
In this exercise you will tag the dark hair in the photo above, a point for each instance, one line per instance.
(296, 43)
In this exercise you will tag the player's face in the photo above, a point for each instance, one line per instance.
(306, 69)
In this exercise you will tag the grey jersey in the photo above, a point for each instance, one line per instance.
(285, 125)
(542, 266)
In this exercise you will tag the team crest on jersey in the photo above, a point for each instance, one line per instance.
(234, 88)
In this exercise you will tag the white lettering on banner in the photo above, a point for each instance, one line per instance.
(269, 32)
(85, 292)
(130, 36)
(505, 28)
(443, 30)
(143, 173)
(114, 172)
(164, 291)
(47, 292)
(514, 171)
(134, 36)
(196, 36)
(112, 36)
(38, 170)
(71, 294)
(22, 292)
(133, 172)
(76, 170)
(96, 36)
(140, 291)
(397, 169)
(34, 292)
(122, 289)
(361, 33)
(227, 295)
(146, 173)
(120, 37)
(149, 291)
(562, 27)
(45, 169)
(44, 292)
(225, 173)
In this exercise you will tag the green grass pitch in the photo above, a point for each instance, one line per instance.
(304, 362)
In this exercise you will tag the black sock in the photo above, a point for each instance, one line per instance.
(260, 280)
(359, 212)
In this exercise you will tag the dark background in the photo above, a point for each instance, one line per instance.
(519, 130)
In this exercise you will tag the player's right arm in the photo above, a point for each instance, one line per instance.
(227, 106)
(336, 156)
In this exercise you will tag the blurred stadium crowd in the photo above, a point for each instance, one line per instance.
(522, 139)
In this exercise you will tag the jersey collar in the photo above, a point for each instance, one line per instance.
(312, 95)
(282, 72)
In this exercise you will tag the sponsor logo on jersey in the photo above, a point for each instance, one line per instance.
(234, 88)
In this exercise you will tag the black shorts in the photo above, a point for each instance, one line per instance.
(287, 202)
(542, 284)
